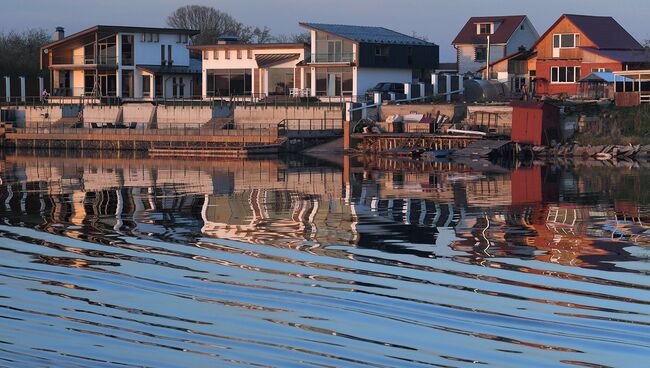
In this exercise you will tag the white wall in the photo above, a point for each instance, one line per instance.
(367, 78)
(148, 53)
(526, 37)
(466, 56)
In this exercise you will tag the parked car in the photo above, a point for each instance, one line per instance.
(385, 88)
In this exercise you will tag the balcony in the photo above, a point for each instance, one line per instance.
(80, 60)
(333, 58)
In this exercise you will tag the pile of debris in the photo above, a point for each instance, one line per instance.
(599, 152)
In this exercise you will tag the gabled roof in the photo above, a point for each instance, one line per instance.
(623, 56)
(508, 26)
(604, 32)
(104, 28)
(367, 34)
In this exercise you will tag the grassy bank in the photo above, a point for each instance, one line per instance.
(618, 125)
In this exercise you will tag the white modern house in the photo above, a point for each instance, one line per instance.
(230, 68)
(507, 35)
(347, 60)
(125, 62)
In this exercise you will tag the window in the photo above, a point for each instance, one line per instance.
(182, 38)
(382, 51)
(227, 54)
(566, 41)
(162, 55)
(146, 86)
(249, 54)
(206, 54)
(215, 54)
(170, 61)
(480, 54)
(127, 50)
(239, 54)
(228, 82)
(484, 28)
(156, 37)
(565, 74)
(601, 70)
(521, 27)
(143, 37)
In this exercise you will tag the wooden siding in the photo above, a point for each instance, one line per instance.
(545, 45)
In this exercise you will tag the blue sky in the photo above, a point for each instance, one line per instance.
(438, 20)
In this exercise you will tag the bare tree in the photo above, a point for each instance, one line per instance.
(20, 55)
(213, 23)
(303, 37)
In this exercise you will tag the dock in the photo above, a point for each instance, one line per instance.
(384, 142)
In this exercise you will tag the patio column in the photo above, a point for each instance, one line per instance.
(448, 87)
(7, 89)
(23, 97)
(435, 82)
(41, 87)
(407, 90)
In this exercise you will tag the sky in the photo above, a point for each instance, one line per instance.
(439, 21)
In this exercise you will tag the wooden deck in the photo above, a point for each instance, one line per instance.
(377, 143)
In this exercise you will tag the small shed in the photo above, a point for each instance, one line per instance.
(535, 123)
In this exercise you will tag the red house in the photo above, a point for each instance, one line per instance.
(576, 45)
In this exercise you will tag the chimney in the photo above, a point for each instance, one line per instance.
(59, 33)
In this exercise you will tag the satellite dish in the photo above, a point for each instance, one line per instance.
(46, 51)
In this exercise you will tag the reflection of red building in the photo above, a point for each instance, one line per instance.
(533, 185)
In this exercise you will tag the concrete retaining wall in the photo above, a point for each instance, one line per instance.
(100, 114)
(27, 116)
(169, 116)
(273, 115)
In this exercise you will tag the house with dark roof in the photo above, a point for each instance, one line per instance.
(119, 61)
(507, 35)
(347, 60)
(231, 68)
(577, 45)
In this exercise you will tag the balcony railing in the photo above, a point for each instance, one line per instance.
(84, 60)
(333, 58)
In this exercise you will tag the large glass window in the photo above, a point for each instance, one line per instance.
(331, 49)
(127, 50)
(280, 81)
(565, 74)
(146, 86)
(334, 82)
(127, 83)
(228, 82)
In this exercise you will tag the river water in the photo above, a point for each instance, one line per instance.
(322, 262)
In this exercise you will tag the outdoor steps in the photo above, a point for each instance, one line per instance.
(217, 123)
(67, 121)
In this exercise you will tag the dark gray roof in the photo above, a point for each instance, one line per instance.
(367, 34)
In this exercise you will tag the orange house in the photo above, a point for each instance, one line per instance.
(577, 45)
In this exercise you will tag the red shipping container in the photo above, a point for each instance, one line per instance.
(535, 123)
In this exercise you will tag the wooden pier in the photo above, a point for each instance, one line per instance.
(377, 143)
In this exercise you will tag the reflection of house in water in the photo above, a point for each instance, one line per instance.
(447, 211)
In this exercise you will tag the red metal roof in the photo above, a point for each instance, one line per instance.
(502, 34)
